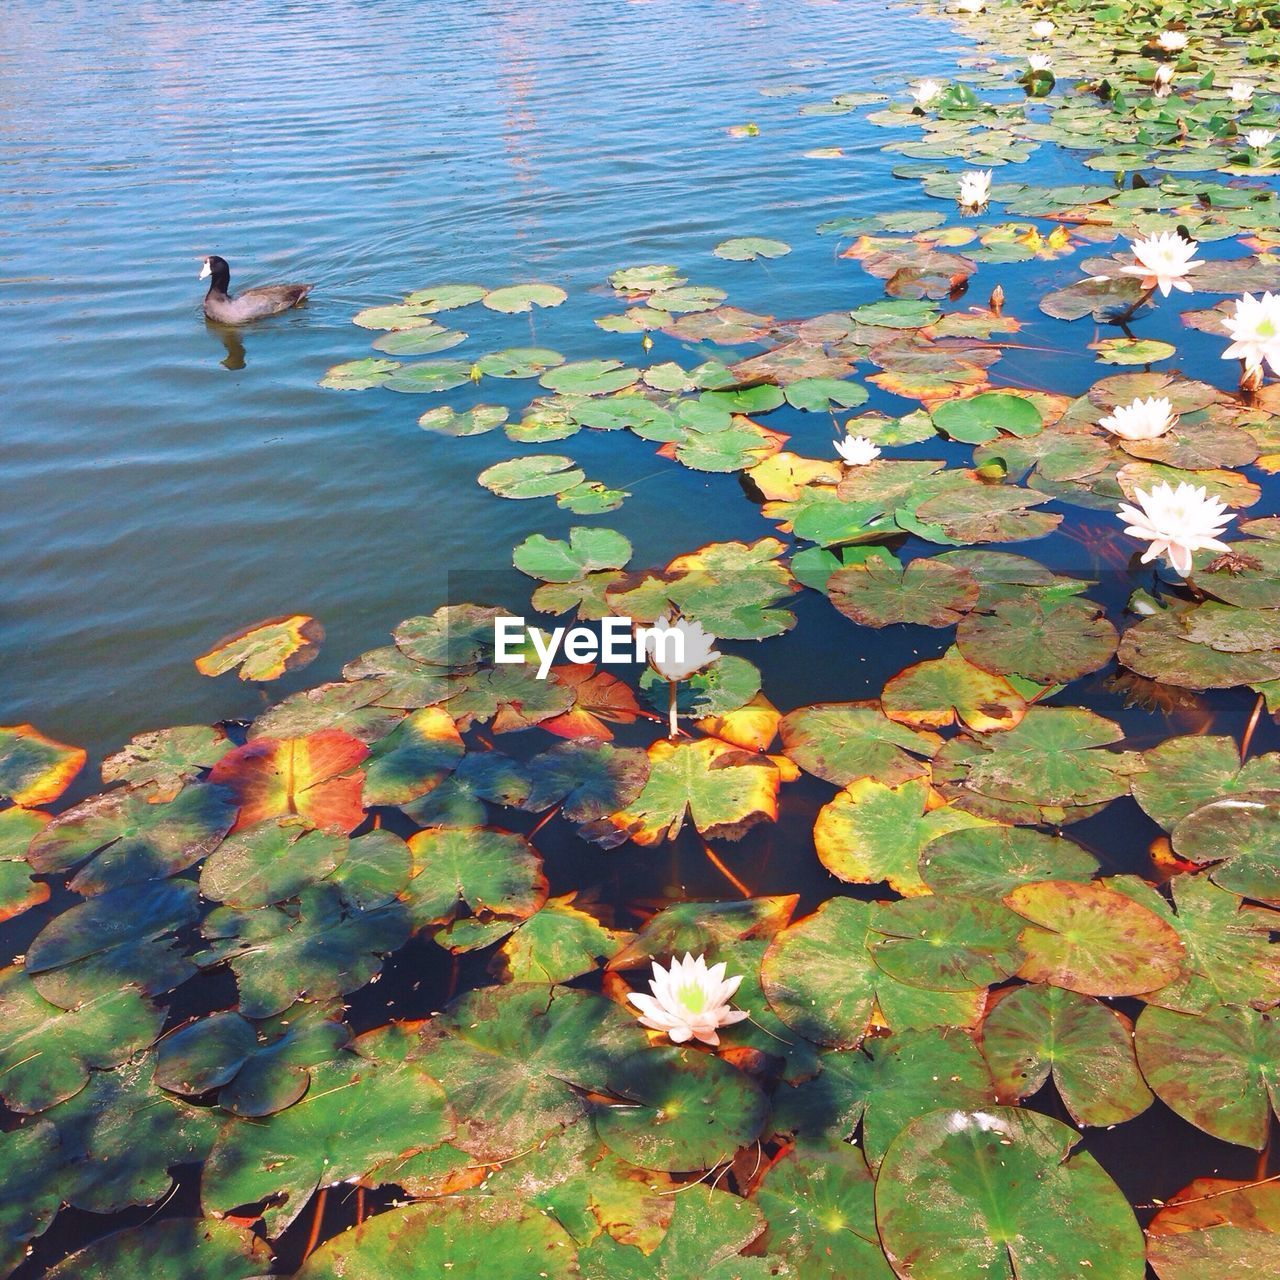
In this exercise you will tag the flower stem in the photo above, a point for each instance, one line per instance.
(675, 729)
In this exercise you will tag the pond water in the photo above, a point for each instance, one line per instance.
(154, 499)
(166, 482)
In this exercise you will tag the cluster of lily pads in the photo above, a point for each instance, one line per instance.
(890, 1082)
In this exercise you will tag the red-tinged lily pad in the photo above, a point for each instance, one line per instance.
(997, 1191)
(1093, 939)
(1219, 1070)
(265, 650)
(34, 769)
(599, 699)
(314, 778)
(1216, 1227)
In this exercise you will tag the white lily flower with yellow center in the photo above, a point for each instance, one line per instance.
(1172, 41)
(1163, 261)
(971, 6)
(1241, 93)
(975, 188)
(1255, 331)
(1260, 139)
(1177, 523)
(1043, 29)
(1039, 62)
(857, 451)
(1142, 420)
(925, 92)
(1164, 78)
(690, 1001)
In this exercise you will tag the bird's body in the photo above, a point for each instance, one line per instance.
(252, 304)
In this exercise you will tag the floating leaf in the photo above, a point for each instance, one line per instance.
(871, 832)
(679, 1109)
(200, 1248)
(587, 551)
(1093, 939)
(34, 769)
(1219, 1070)
(48, 1053)
(997, 1191)
(749, 248)
(159, 764)
(533, 476)
(314, 777)
(724, 791)
(842, 742)
(1037, 1031)
(356, 1116)
(265, 650)
(949, 690)
(524, 297)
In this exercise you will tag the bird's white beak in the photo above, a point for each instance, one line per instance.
(206, 271)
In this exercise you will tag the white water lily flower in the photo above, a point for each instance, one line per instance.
(975, 188)
(1164, 261)
(1141, 420)
(1260, 139)
(1164, 77)
(1241, 93)
(1177, 523)
(1039, 61)
(1043, 29)
(857, 451)
(1172, 41)
(971, 6)
(1255, 331)
(695, 651)
(925, 92)
(690, 1001)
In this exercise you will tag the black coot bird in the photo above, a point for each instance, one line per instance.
(252, 304)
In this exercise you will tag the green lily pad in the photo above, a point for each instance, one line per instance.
(679, 1109)
(990, 861)
(842, 742)
(925, 593)
(533, 476)
(983, 417)
(587, 551)
(872, 832)
(48, 1052)
(1035, 1032)
(820, 979)
(524, 297)
(356, 1116)
(197, 1248)
(463, 1238)
(749, 248)
(967, 1195)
